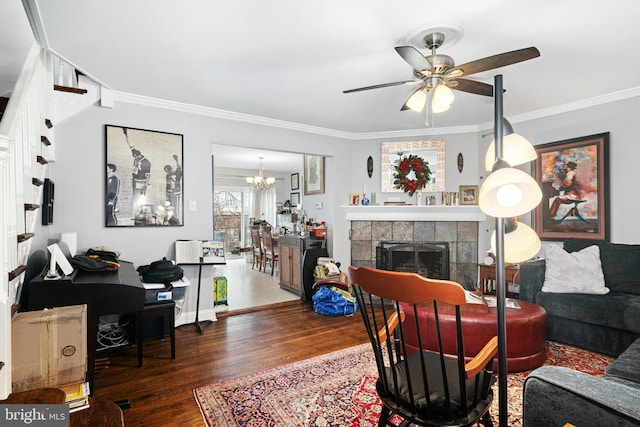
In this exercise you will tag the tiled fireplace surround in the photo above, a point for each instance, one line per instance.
(462, 237)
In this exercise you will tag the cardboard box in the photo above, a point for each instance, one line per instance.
(49, 347)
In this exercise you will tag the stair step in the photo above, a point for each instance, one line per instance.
(70, 89)
(18, 271)
(37, 182)
(48, 123)
(3, 105)
(45, 140)
(42, 160)
(24, 237)
(30, 206)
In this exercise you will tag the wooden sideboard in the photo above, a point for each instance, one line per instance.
(291, 250)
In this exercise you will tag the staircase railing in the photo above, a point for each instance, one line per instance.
(25, 141)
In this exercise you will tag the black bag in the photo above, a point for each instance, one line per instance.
(92, 263)
(162, 271)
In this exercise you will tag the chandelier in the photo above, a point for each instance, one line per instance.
(259, 182)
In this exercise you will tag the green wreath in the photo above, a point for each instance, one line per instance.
(411, 173)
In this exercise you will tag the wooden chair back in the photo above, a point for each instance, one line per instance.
(256, 247)
(424, 387)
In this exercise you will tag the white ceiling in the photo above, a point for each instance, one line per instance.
(290, 60)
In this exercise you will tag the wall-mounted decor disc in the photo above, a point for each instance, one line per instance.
(460, 162)
(370, 166)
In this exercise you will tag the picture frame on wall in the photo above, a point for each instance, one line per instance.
(313, 175)
(431, 151)
(574, 177)
(144, 178)
(295, 181)
(468, 195)
(295, 199)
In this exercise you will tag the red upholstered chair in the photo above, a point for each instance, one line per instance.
(427, 388)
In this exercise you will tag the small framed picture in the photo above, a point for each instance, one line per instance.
(295, 181)
(355, 198)
(313, 175)
(468, 194)
(295, 199)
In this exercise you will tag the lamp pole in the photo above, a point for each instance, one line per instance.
(500, 267)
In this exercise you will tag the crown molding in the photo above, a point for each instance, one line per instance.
(264, 121)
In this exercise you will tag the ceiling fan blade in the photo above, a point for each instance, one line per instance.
(473, 86)
(414, 58)
(405, 82)
(499, 60)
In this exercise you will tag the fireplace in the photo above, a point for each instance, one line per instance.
(429, 259)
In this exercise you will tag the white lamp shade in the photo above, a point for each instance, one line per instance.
(520, 244)
(509, 192)
(516, 150)
(417, 100)
(270, 180)
(442, 96)
(249, 179)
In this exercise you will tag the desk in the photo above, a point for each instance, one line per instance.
(488, 277)
(106, 292)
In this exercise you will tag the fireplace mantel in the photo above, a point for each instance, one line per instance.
(414, 213)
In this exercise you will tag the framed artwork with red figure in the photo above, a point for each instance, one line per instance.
(574, 178)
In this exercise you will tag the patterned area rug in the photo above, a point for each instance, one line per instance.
(338, 389)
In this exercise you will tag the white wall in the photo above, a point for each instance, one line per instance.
(79, 175)
(79, 171)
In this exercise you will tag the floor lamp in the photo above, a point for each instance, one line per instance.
(506, 193)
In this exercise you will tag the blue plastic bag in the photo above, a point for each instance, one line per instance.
(334, 302)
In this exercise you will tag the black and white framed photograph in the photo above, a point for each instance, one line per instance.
(295, 199)
(295, 181)
(144, 178)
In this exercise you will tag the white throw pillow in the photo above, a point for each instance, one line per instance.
(576, 272)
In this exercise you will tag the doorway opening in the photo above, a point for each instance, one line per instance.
(231, 209)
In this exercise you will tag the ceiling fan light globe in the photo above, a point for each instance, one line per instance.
(417, 101)
(442, 95)
(439, 108)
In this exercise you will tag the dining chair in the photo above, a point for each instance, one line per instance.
(270, 251)
(256, 248)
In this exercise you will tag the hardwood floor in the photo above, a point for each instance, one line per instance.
(161, 391)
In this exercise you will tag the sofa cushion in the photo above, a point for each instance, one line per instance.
(578, 272)
(620, 263)
(614, 310)
(627, 365)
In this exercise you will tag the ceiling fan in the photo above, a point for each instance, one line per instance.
(438, 73)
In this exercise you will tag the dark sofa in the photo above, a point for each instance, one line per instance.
(607, 323)
(555, 395)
